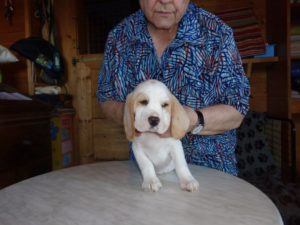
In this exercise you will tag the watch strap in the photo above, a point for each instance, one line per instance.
(200, 123)
(200, 117)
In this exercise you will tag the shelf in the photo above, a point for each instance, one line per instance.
(295, 58)
(260, 60)
(250, 61)
(295, 105)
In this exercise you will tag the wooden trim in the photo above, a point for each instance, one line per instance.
(28, 33)
(249, 62)
(260, 60)
(295, 105)
(27, 17)
(295, 57)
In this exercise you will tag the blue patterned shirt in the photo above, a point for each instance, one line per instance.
(201, 67)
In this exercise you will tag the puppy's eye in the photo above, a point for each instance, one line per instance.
(144, 102)
(164, 105)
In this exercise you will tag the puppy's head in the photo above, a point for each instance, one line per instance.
(152, 108)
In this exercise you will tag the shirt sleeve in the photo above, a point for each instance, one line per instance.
(232, 84)
(108, 88)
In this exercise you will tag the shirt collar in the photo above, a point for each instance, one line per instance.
(141, 33)
(189, 30)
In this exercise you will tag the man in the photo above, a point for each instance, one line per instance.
(194, 54)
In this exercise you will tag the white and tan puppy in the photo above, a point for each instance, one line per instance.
(151, 110)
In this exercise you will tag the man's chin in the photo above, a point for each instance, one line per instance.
(167, 26)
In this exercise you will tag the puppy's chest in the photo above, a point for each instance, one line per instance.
(156, 147)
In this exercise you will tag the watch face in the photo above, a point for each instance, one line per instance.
(197, 129)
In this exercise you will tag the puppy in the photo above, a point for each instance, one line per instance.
(151, 110)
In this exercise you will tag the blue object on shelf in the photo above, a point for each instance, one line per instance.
(270, 51)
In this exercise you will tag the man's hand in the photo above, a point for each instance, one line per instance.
(192, 116)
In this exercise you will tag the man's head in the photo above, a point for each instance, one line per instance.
(164, 14)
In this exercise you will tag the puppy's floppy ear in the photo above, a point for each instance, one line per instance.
(128, 118)
(179, 119)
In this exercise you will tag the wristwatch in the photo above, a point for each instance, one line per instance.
(200, 123)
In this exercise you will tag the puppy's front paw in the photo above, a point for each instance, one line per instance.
(189, 184)
(152, 184)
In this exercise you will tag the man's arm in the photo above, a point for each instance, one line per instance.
(113, 110)
(217, 119)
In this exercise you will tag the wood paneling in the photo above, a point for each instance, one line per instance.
(279, 74)
(9, 33)
(14, 74)
(100, 139)
(258, 99)
(295, 105)
(17, 74)
(110, 142)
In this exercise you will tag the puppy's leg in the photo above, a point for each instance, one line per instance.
(186, 179)
(150, 180)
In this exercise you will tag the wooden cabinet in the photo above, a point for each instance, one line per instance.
(25, 144)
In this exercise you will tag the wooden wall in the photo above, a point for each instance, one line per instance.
(9, 33)
(14, 74)
(258, 85)
(23, 25)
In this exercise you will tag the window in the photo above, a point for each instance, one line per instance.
(97, 18)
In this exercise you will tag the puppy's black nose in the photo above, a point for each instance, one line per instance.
(153, 121)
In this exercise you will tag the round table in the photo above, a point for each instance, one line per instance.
(110, 193)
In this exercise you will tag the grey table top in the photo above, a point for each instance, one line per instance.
(110, 193)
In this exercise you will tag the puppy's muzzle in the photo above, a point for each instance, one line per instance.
(153, 121)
